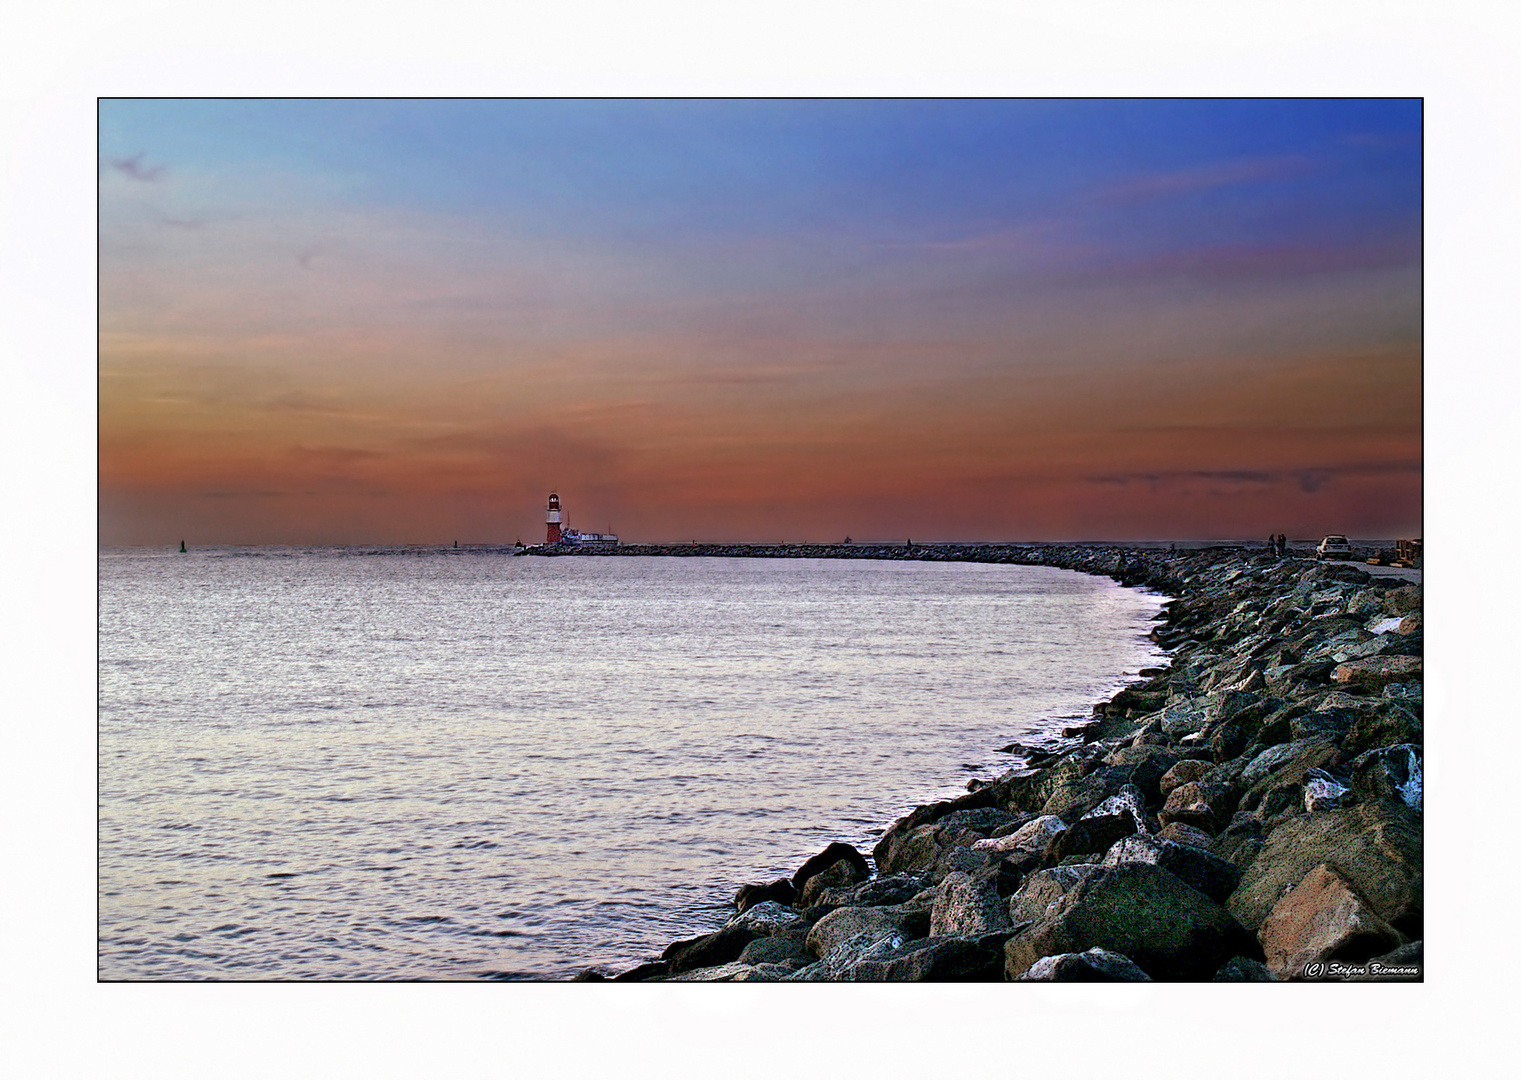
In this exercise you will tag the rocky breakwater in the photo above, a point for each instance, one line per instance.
(1251, 812)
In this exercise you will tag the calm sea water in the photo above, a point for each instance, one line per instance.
(340, 764)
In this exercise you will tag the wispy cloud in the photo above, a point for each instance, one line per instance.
(176, 222)
(1027, 236)
(134, 169)
(240, 494)
(1249, 262)
(299, 402)
(336, 455)
(1378, 140)
(1190, 181)
(1309, 479)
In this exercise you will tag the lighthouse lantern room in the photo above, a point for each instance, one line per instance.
(553, 518)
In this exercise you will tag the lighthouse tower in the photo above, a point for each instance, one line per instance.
(553, 518)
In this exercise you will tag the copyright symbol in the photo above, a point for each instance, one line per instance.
(1314, 970)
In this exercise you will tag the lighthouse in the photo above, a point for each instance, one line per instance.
(553, 518)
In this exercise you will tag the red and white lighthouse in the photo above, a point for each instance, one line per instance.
(553, 518)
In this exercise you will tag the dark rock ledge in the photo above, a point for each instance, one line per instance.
(1251, 812)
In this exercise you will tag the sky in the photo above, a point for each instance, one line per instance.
(407, 321)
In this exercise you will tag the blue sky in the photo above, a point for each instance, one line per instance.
(786, 290)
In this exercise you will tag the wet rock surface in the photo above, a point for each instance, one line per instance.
(1250, 812)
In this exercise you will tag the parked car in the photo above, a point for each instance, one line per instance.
(1333, 547)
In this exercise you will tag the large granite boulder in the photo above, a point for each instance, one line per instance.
(1091, 835)
(1043, 888)
(1213, 876)
(1095, 965)
(1392, 772)
(1065, 769)
(824, 860)
(1184, 772)
(936, 959)
(1168, 928)
(1136, 699)
(1271, 760)
(1147, 766)
(1375, 846)
(1187, 804)
(1405, 600)
(1288, 776)
(767, 950)
(967, 906)
(1071, 800)
(1240, 969)
(1323, 918)
(763, 973)
(730, 972)
(1327, 723)
(1240, 704)
(1390, 723)
(1377, 672)
(1184, 716)
(764, 919)
(879, 892)
(1402, 964)
(870, 943)
(781, 891)
(902, 921)
(1252, 681)
(921, 848)
(1007, 792)
(1293, 681)
(1031, 836)
(841, 874)
(1180, 833)
(708, 950)
(961, 858)
(649, 971)
(1323, 791)
(1241, 840)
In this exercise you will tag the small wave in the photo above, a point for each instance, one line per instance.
(233, 930)
(196, 954)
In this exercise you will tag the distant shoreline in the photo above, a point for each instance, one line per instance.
(1129, 564)
(1124, 564)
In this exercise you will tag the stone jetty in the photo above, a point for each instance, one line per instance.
(1252, 811)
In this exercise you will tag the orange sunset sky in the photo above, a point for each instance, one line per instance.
(384, 322)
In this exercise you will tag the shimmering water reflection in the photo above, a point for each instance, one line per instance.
(324, 763)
